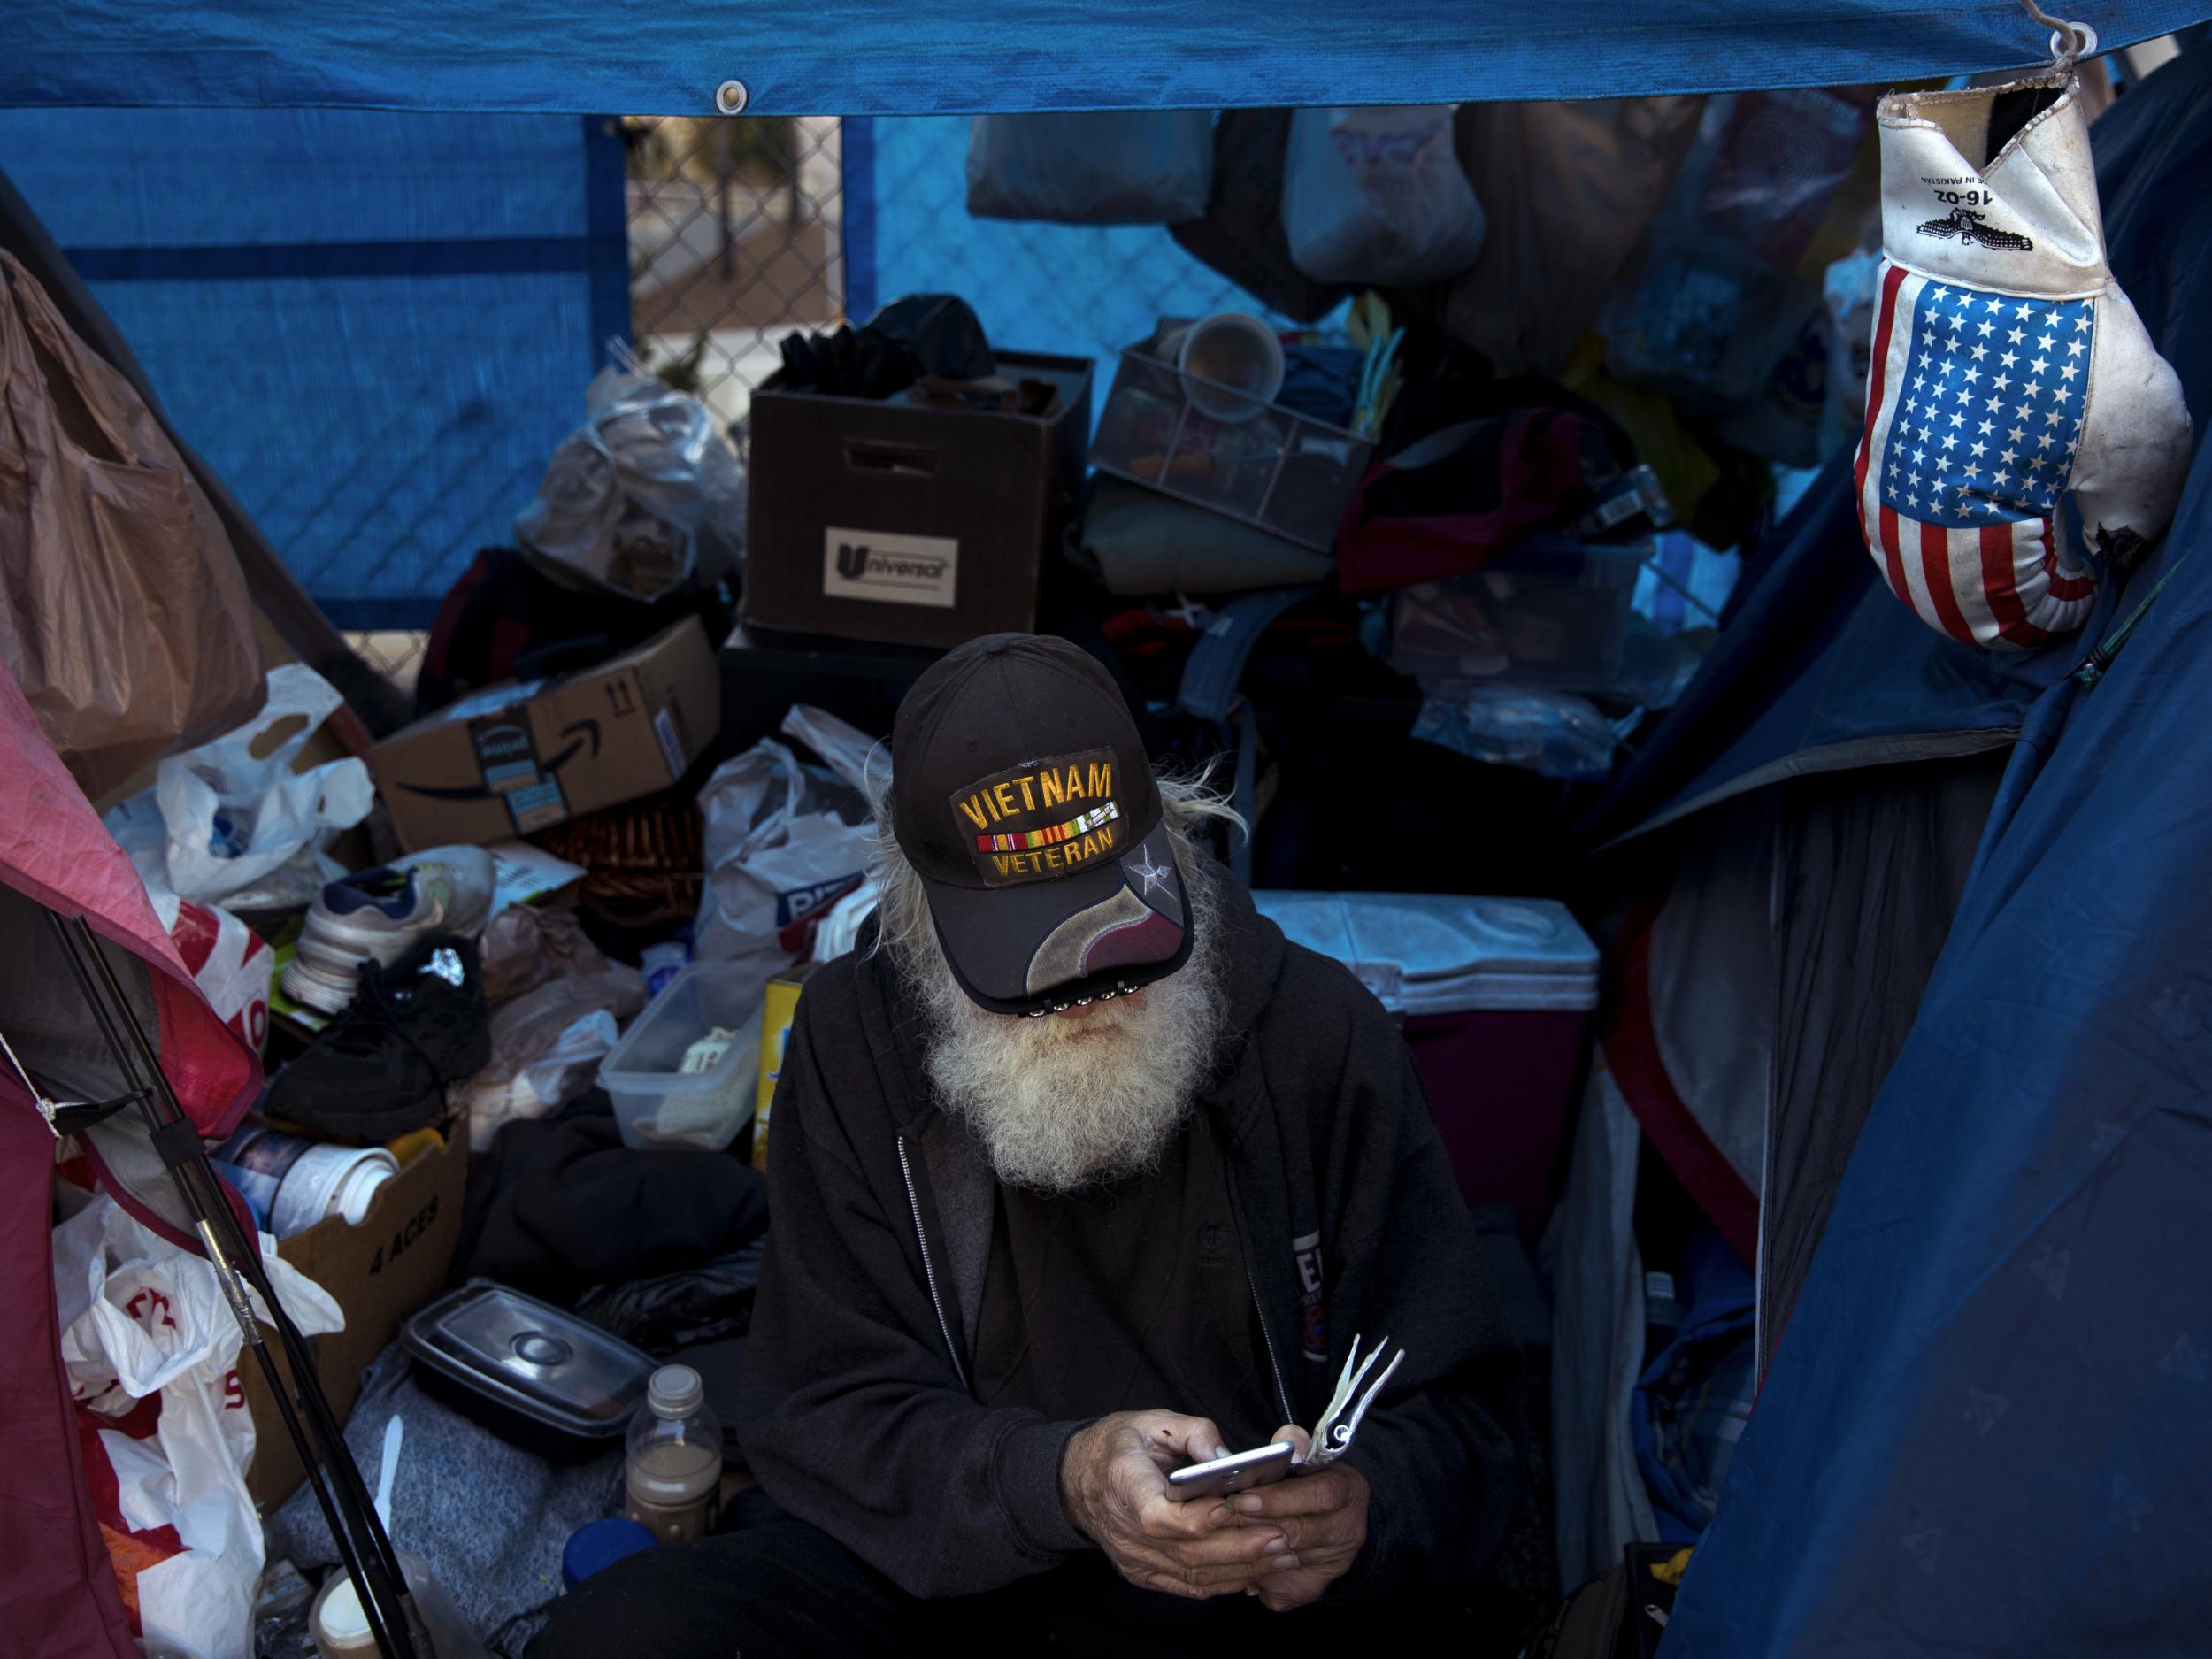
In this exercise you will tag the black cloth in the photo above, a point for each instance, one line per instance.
(560, 1205)
(1136, 1292)
(859, 1416)
(783, 1589)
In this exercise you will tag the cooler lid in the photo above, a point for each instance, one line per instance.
(1428, 952)
(531, 1357)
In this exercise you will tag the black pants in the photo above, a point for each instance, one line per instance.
(785, 1588)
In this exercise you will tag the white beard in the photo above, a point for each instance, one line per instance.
(1064, 1102)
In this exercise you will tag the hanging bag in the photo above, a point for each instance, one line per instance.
(1377, 196)
(123, 613)
(1092, 167)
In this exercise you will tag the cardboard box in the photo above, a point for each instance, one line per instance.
(907, 523)
(519, 757)
(379, 1272)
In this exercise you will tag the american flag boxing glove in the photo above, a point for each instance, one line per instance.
(2009, 371)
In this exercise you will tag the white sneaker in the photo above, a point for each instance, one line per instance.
(375, 915)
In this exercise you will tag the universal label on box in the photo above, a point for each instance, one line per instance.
(899, 570)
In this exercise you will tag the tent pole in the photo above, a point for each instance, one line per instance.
(379, 1578)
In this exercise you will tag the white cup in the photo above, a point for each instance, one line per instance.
(1231, 349)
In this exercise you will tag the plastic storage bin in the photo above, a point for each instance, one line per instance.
(656, 1102)
(1288, 474)
(1495, 996)
(1550, 611)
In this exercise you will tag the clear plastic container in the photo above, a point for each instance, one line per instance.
(1550, 611)
(543, 1363)
(674, 1470)
(657, 1102)
(340, 1629)
(1288, 474)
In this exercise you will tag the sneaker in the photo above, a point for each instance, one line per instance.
(375, 915)
(382, 1067)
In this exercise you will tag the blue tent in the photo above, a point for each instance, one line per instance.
(1986, 1430)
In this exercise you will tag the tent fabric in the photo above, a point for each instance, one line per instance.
(864, 57)
(58, 1595)
(375, 327)
(1985, 1429)
(1819, 669)
(1869, 867)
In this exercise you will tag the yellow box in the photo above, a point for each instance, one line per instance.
(777, 1009)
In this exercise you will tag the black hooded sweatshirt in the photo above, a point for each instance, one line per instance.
(857, 1415)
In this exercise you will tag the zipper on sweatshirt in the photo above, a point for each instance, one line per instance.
(1281, 1393)
(929, 1273)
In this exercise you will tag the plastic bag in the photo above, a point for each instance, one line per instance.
(228, 961)
(1720, 297)
(143, 1317)
(1241, 234)
(784, 841)
(523, 946)
(230, 814)
(839, 930)
(673, 1312)
(859, 760)
(1378, 196)
(1849, 295)
(123, 615)
(1553, 733)
(545, 1043)
(1092, 167)
(1549, 254)
(642, 497)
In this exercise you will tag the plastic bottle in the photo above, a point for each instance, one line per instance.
(674, 1468)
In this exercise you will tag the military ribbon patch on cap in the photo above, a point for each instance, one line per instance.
(1048, 818)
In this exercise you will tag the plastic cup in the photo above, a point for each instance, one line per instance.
(1232, 365)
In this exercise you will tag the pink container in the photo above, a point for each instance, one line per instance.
(1495, 996)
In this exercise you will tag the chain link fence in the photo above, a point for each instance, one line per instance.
(743, 232)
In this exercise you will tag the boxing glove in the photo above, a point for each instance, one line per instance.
(2009, 372)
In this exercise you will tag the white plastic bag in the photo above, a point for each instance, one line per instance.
(141, 1316)
(1092, 167)
(1378, 196)
(784, 841)
(228, 814)
(228, 961)
(644, 495)
(861, 761)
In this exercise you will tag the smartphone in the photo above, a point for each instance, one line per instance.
(1224, 1475)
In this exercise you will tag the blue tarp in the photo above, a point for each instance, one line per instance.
(374, 327)
(870, 57)
(1988, 1426)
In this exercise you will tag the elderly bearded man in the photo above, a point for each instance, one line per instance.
(1081, 1171)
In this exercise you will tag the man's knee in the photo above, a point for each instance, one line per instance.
(777, 1588)
(673, 1600)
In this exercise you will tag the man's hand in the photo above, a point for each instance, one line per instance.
(1323, 1516)
(1113, 1484)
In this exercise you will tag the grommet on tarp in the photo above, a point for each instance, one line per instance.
(2069, 41)
(731, 97)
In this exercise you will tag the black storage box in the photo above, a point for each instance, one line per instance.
(905, 523)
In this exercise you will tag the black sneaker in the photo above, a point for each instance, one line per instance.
(381, 1068)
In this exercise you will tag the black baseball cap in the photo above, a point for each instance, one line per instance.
(1022, 798)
